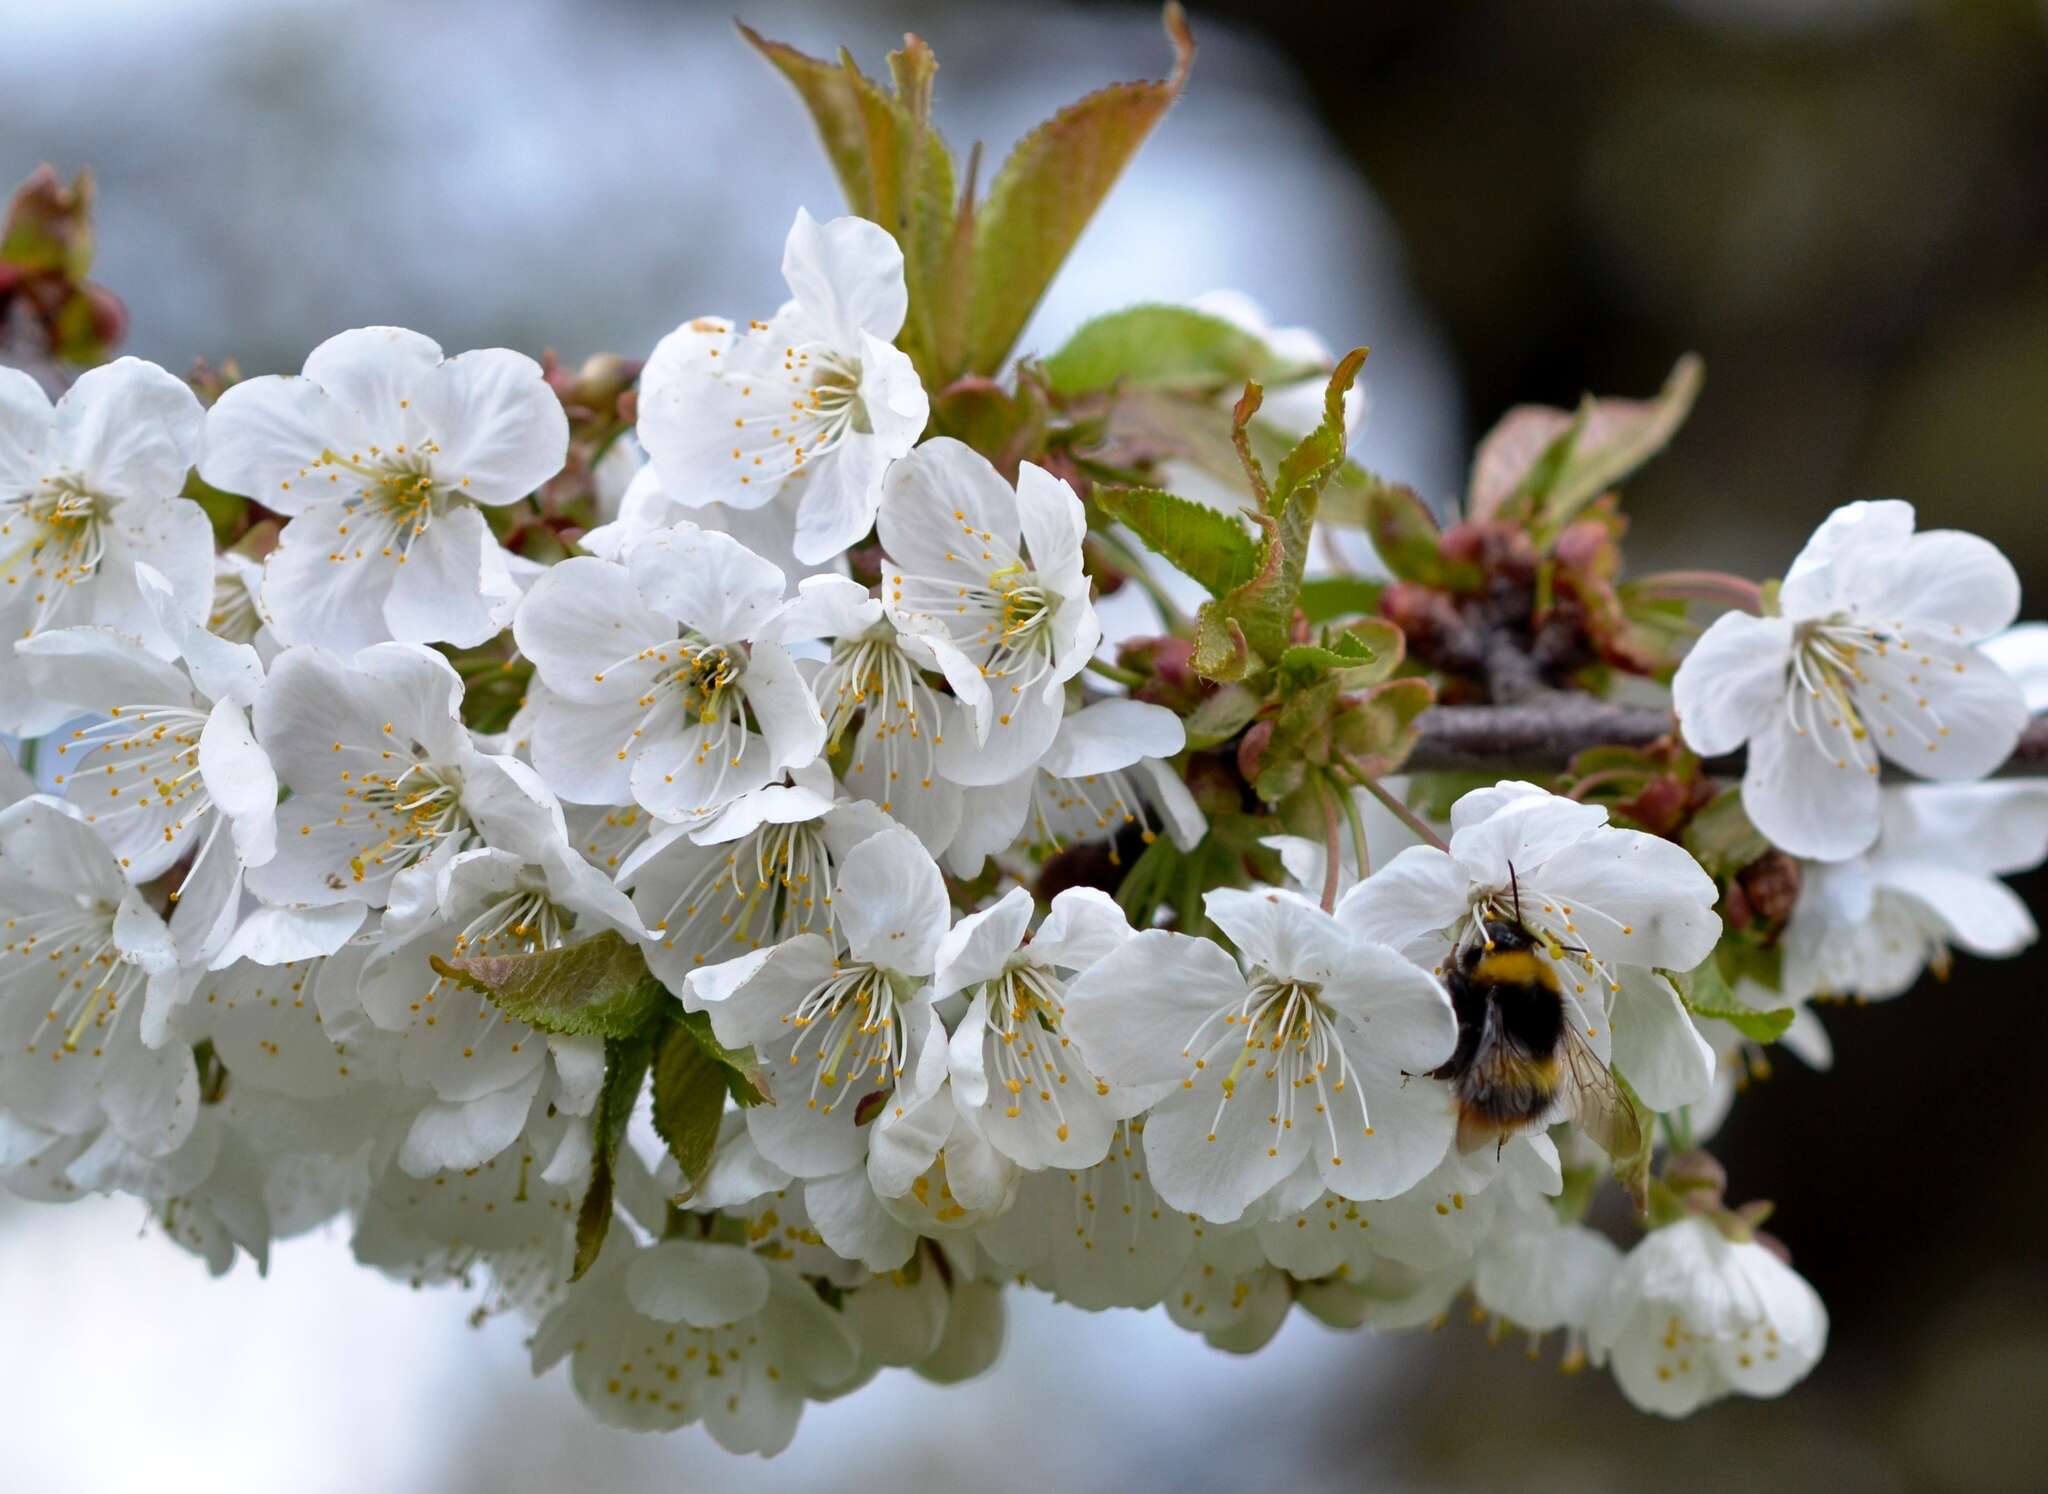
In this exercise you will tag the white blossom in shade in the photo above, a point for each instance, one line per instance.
(506, 1214)
(296, 1028)
(1016, 1073)
(653, 670)
(988, 582)
(458, 1042)
(1607, 906)
(660, 1336)
(88, 487)
(86, 970)
(1692, 1316)
(171, 769)
(236, 611)
(760, 873)
(1869, 926)
(1106, 771)
(1298, 1063)
(816, 400)
(966, 1182)
(381, 451)
(848, 1044)
(879, 705)
(1872, 656)
(383, 776)
(1541, 1275)
(1098, 1236)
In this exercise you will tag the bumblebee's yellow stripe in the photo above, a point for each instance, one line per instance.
(1516, 967)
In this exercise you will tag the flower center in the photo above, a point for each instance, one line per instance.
(1027, 1053)
(817, 406)
(1854, 689)
(55, 541)
(153, 752)
(394, 499)
(1289, 1039)
(870, 679)
(233, 615)
(770, 886)
(857, 1040)
(65, 959)
(1004, 620)
(414, 812)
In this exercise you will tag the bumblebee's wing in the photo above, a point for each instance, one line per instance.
(1596, 1102)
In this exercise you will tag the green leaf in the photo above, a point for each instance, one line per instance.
(1167, 347)
(1220, 716)
(1212, 548)
(1259, 614)
(1361, 654)
(625, 1067)
(598, 987)
(1541, 465)
(892, 164)
(1047, 191)
(739, 1070)
(1706, 993)
(1376, 730)
(1405, 534)
(1721, 838)
(1326, 597)
(690, 1091)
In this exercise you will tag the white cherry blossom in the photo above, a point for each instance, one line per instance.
(1609, 907)
(1295, 1061)
(383, 776)
(653, 671)
(1869, 926)
(1872, 656)
(1105, 772)
(848, 1045)
(1015, 1070)
(171, 769)
(878, 703)
(382, 450)
(492, 900)
(1692, 1316)
(988, 582)
(88, 487)
(88, 976)
(815, 400)
(739, 884)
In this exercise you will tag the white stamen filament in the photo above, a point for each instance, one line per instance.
(1289, 1038)
(859, 1043)
(771, 885)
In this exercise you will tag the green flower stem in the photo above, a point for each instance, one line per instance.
(1130, 679)
(1333, 855)
(1394, 806)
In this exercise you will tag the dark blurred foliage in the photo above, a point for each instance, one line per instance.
(1844, 207)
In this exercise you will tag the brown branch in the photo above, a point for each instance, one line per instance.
(1542, 736)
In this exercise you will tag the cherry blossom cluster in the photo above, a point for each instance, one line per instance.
(845, 923)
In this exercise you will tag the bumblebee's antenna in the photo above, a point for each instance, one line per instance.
(1517, 888)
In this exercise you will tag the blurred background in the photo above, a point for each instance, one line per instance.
(1843, 204)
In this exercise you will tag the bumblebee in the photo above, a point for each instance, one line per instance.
(1522, 1060)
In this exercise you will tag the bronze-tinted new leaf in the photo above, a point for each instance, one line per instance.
(1047, 191)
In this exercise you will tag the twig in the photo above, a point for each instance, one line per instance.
(1543, 735)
